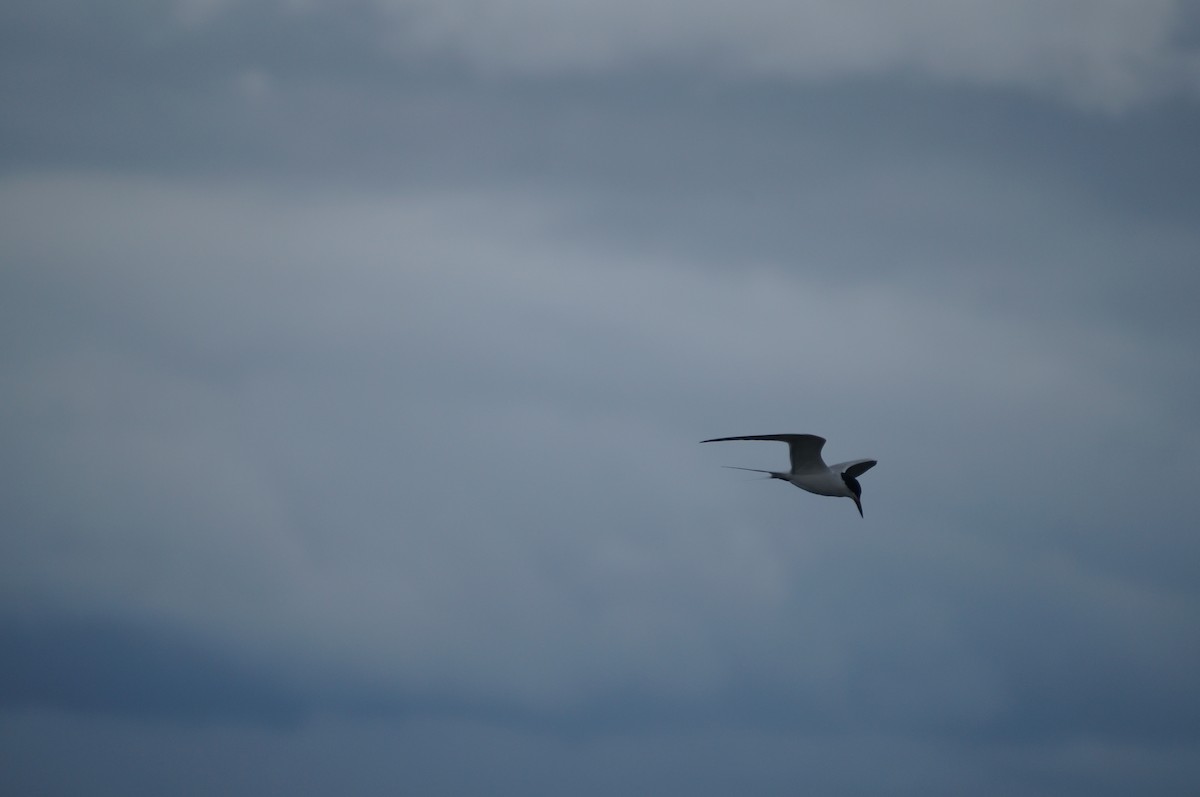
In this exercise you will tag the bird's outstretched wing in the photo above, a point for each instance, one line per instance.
(805, 449)
(857, 467)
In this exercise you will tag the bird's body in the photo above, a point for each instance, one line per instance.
(809, 471)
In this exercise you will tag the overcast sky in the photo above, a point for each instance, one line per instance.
(354, 358)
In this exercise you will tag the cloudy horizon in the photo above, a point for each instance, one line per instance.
(356, 357)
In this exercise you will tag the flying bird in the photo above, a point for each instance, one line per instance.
(809, 472)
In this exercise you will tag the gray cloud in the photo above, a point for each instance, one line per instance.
(1107, 54)
(254, 399)
(353, 391)
(367, 758)
(132, 672)
(254, 85)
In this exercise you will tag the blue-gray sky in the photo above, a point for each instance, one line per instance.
(355, 356)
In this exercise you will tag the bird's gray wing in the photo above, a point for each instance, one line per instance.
(805, 449)
(857, 467)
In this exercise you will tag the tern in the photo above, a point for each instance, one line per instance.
(809, 472)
